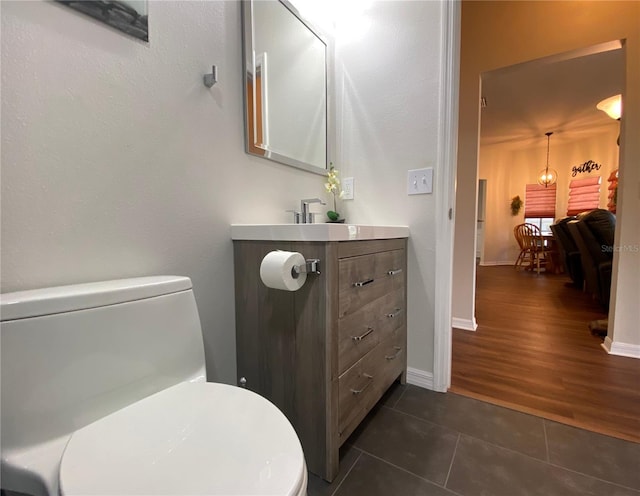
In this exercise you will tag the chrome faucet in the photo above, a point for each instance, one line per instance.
(306, 215)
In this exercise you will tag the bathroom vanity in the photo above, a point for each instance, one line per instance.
(326, 353)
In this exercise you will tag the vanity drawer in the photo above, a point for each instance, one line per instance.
(360, 387)
(365, 278)
(394, 352)
(361, 331)
(357, 392)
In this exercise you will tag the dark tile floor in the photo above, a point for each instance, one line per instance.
(418, 442)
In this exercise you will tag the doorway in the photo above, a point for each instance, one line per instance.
(506, 159)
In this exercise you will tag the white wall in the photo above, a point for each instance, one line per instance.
(118, 162)
(509, 170)
(387, 99)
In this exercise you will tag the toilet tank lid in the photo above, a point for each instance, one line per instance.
(47, 301)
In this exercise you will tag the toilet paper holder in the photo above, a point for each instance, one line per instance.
(311, 266)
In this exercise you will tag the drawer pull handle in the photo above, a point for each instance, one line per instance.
(359, 284)
(362, 336)
(398, 351)
(358, 391)
(393, 272)
(395, 313)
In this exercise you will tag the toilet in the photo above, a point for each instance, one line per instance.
(104, 393)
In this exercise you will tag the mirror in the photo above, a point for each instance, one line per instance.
(286, 93)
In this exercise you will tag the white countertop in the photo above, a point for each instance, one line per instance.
(315, 232)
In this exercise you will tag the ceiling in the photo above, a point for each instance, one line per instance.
(557, 94)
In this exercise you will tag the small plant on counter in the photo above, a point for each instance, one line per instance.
(516, 205)
(333, 188)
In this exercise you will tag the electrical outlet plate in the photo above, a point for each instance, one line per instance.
(347, 187)
(420, 181)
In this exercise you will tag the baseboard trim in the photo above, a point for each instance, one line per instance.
(491, 264)
(420, 378)
(621, 349)
(464, 324)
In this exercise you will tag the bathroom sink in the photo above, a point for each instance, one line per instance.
(315, 232)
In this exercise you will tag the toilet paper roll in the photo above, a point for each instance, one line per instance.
(276, 270)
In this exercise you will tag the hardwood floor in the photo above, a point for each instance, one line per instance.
(533, 352)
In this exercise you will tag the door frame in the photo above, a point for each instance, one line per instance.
(445, 183)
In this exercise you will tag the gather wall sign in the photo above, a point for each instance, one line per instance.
(589, 166)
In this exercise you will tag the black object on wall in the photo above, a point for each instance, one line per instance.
(121, 15)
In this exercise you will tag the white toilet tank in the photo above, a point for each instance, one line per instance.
(74, 354)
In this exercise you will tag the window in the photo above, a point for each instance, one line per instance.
(584, 194)
(543, 223)
(540, 206)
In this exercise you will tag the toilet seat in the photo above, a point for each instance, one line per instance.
(193, 438)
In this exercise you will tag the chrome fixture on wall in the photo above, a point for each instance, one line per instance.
(210, 79)
(547, 176)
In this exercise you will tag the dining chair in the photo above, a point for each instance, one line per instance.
(532, 248)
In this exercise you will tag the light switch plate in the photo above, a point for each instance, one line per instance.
(420, 181)
(348, 188)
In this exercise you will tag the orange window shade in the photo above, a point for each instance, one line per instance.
(540, 201)
(584, 194)
(613, 188)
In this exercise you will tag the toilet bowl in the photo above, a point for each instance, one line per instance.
(193, 438)
(103, 392)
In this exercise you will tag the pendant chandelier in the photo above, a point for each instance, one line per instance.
(547, 176)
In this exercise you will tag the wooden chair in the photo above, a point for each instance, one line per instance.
(532, 249)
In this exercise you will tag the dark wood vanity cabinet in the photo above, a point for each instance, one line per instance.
(324, 354)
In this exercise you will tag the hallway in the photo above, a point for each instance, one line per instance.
(533, 352)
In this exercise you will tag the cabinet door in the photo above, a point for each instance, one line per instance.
(282, 345)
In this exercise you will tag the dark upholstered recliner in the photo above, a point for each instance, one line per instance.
(593, 233)
(569, 252)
